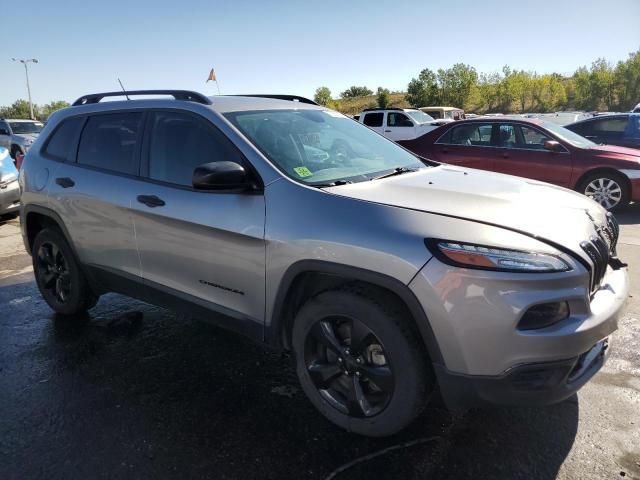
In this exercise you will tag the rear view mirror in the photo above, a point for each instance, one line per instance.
(221, 176)
(553, 145)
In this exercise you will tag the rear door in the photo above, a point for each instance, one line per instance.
(467, 144)
(375, 121)
(521, 152)
(607, 130)
(399, 127)
(206, 246)
(93, 190)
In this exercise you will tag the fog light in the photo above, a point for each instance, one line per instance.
(544, 315)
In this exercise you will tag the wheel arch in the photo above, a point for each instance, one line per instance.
(307, 278)
(601, 170)
(36, 218)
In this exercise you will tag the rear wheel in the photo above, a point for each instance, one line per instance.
(58, 275)
(359, 362)
(608, 189)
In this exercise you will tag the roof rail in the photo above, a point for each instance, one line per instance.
(373, 109)
(177, 94)
(292, 98)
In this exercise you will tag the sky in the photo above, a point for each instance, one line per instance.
(296, 46)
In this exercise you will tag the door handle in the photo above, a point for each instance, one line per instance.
(151, 201)
(65, 182)
(387, 131)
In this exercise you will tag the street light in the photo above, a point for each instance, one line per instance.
(25, 61)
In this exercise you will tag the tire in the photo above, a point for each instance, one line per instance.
(393, 349)
(58, 274)
(610, 190)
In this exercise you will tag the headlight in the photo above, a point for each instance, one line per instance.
(490, 258)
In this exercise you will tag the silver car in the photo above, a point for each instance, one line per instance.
(9, 188)
(390, 277)
(18, 135)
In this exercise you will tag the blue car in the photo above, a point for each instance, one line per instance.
(9, 189)
(621, 129)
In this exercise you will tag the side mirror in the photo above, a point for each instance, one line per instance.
(221, 176)
(553, 146)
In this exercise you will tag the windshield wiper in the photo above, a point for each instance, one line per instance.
(337, 183)
(396, 171)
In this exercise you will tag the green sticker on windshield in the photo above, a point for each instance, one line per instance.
(302, 172)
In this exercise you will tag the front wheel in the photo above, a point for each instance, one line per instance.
(58, 275)
(608, 189)
(360, 362)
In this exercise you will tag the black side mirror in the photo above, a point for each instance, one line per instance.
(553, 145)
(221, 176)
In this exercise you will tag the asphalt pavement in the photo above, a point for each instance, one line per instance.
(134, 391)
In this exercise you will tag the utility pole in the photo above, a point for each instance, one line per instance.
(25, 61)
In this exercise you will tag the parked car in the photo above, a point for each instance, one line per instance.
(540, 150)
(447, 113)
(18, 135)
(388, 276)
(398, 123)
(617, 129)
(637, 109)
(564, 118)
(9, 188)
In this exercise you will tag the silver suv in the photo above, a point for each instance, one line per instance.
(18, 135)
(390, 277)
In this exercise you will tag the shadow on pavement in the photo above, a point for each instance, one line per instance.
(132, 391)
(629, 215)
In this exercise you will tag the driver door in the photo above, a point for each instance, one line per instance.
(399, 127)
(207, 246)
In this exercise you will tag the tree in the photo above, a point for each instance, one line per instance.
(19, 109)
(49, 108)
(518, 85)
(456, 84)
(322, 96)
(383, 97)
(423, 91)
(354, 92)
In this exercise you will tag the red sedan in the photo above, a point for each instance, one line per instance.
(540, 150)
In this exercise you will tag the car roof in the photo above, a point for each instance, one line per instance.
(20, 120)
(223, 104)
(440, 108)
(500, 119)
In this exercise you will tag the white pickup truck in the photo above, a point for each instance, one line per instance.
(399, 123)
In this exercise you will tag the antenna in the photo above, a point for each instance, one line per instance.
(122, 87)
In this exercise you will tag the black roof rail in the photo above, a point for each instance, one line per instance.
(373, 109)
(291, 98)
(177, 94)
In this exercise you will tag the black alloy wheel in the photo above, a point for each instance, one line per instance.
(53, 271)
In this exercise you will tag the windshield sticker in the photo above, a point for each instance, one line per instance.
(302, 172)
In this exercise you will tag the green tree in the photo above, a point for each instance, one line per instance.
(519, 86)
(423, 91)
(456, 84)
(383, 97)
(49, 108)
(627, 82)
(354, 92)
(19, 109)
(322, 96)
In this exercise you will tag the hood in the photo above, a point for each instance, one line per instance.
(25, 138)
(613, 151)
(543, 211)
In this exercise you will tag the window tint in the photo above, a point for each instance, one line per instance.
(507, 136)
(396, 119)
(610, 125)
(110, 142)
(63, 142)
(531, 138)
(4, 126)
(180, 142)
(477, 134)
(373, 119)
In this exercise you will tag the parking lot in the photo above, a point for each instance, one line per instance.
(134, 392)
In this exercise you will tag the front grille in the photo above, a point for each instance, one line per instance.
(600, 248)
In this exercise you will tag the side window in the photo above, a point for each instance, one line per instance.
(180, 142)
(63, 142)
(4, 128)
(110, 141)
(478, 135)
(396, 119)
(612, 126)
(531, 138)
(373, 119)
(435, 114)
(507, 136)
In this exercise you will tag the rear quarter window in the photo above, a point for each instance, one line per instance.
(373, 119)
(63, 142)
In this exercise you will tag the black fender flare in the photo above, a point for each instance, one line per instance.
(275, 330)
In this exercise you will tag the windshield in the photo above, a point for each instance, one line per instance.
(568, 136)
(26, 127)
(419, 116)
(321, 147)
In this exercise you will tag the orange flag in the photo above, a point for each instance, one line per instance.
(212, 76)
